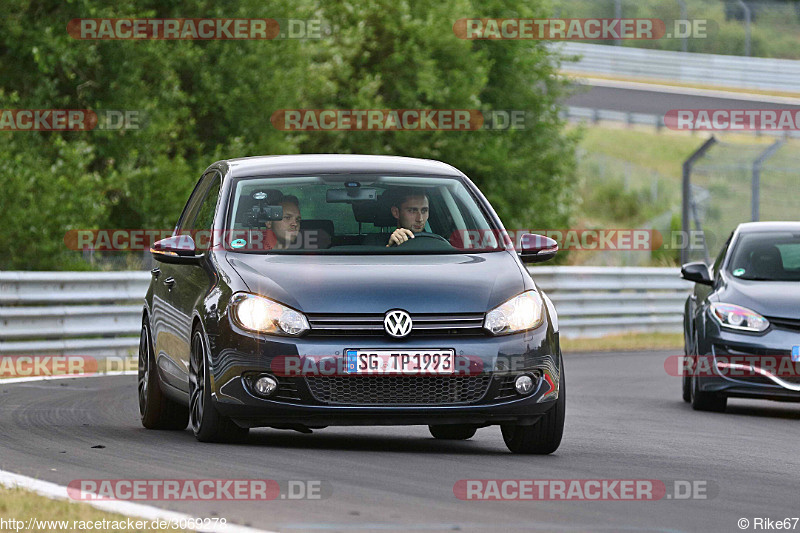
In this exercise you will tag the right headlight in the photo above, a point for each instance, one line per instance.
(738, 317)
(262, 315)
(520, 313)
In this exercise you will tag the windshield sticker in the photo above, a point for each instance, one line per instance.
(738, 272)
(238, 243)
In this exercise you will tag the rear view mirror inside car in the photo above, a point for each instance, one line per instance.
(351, 194)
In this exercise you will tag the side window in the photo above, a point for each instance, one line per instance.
(205, 215)
(721, 257)
(199, 212)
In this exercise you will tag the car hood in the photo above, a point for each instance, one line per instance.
(780, 299)
(453, 283)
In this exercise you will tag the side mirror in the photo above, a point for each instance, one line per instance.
(697, 272)
(178, 249)
(535, 248)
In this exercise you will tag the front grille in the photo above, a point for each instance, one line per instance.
(372, 324)
(785, 323)
(398, 390)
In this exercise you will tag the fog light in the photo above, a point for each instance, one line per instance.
(524, 384)
(266, 385)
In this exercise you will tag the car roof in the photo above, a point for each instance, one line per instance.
(336, 164)
(752, 227)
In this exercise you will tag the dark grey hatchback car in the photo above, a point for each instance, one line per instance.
(299, 292)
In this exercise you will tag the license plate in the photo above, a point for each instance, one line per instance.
(410, 362)
(796, 354)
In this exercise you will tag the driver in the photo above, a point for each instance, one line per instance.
(287, 229)
(411, 211)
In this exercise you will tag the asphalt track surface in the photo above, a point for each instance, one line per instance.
(625, 420)
(654, 102)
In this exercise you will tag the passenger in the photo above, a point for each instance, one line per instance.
(285, 231)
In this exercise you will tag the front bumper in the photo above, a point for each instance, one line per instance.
(753, 365)
(236, 356)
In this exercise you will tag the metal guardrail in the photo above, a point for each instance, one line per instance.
(598, 301)
(590, 114)
(71, 313)
(99, 313)
(707, 69)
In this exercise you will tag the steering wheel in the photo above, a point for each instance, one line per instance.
(431, 236)
(425, 241)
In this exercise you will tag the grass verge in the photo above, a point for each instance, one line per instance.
(625, 342)
(65, 516)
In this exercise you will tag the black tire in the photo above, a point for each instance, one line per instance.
(706, 401)
(157, 411)
(452, 431)
(208, 425)
(544, 437)
(686, 380)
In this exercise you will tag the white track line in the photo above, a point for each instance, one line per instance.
(689, 91)
(136, 510)
(67, 376)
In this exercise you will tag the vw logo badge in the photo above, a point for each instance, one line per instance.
(397, 323)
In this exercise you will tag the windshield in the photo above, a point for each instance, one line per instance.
(766, 257)
(356, 213)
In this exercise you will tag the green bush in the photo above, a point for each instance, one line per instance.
(209, 100)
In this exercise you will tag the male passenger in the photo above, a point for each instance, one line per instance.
(411, 211)
(287, 229)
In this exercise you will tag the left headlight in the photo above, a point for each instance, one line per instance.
(262, 315)
(738, 317)
(522, 312)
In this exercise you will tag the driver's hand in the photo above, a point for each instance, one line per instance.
(400, 236)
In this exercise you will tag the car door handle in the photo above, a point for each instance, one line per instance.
(155, 272)
(169, 282)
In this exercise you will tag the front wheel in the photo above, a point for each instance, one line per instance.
(452, 431)
(544, 437)
(208, 424)
(706, 401)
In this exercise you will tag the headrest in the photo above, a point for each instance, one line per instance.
(316, 233)
(383, 211)
(766, 262)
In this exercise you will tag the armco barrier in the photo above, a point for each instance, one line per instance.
(706, 69)
(99, 313)
(597, 301)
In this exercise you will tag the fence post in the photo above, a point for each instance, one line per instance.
(685, 17)
(747, 18)
(757, 164)
(687, 191)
